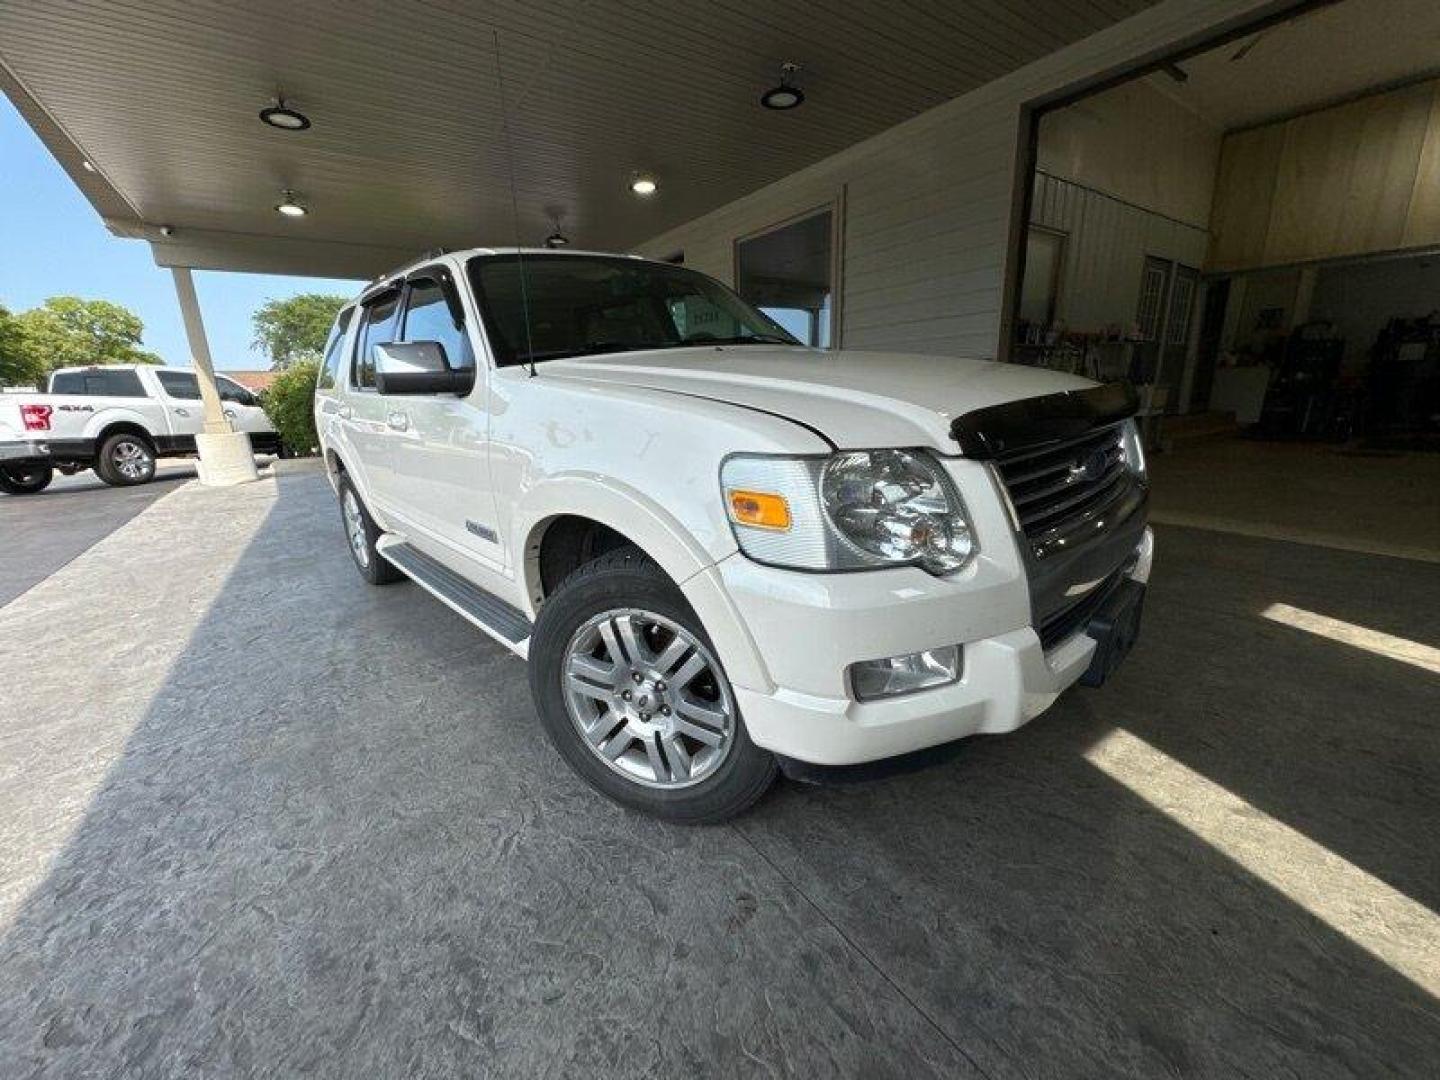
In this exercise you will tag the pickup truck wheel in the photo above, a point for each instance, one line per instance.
(361, 532)
(125, 459)
(25, 479)
(631, 694)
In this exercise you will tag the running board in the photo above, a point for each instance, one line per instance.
(508, 625)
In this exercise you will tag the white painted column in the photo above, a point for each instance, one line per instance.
(225, 455)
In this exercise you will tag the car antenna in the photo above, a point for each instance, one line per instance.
(514, 205)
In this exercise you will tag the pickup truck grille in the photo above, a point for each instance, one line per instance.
(1065, 488)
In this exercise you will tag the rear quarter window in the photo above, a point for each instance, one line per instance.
(99, 382)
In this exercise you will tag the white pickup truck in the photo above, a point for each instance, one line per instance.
(724, 553)
(117, 420)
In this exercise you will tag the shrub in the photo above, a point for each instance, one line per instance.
(290, 403)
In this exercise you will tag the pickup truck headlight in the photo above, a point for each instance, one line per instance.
(855, 510)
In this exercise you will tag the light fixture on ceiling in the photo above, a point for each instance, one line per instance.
(87, 165)
(557, 239)
(644, 185)
(290, 204)
(786, 95)
(283, 117)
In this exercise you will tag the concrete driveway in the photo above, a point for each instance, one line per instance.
(258, 818)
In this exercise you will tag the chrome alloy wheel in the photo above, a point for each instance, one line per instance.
(355, 528)
(132, 460)
(648, 698)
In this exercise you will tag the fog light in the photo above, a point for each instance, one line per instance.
(871, 679)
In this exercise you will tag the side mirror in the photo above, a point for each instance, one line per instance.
(419, 367)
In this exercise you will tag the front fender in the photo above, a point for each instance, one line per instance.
(656, 531)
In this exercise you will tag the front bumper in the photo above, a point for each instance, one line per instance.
(809, 640)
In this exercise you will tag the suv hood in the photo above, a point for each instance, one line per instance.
(855, 399)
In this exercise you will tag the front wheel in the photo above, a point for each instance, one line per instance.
(631, 694)
(25, 479)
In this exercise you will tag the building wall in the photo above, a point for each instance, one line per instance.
(928, 207)
(1140, 145)
(1357, 178)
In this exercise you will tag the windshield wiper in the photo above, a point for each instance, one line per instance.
(748, 339)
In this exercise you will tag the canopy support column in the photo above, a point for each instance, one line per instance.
(225, 455)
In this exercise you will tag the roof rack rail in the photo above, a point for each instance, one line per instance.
(428, 253)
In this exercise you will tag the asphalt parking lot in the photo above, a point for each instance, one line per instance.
(259, 818)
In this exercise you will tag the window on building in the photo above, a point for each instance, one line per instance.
(102, 382)
(788, 273)
(1040, 291)
(428, 318)
(377, 329)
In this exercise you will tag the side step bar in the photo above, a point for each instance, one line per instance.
(506, 624)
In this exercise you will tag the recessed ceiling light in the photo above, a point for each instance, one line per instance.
(785, 96)
(290, 204)
(283, 117)
(87, 165)
(644, 185)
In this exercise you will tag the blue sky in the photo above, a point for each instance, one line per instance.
(53, 244)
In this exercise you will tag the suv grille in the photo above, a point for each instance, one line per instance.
(1060, 489)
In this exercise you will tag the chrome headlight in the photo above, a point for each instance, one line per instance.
(1132, 448)
(855, 510)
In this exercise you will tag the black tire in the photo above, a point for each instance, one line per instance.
(26, 479)
(628, 579)
(125, 459)
(373, 566)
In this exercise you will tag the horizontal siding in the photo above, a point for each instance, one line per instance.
(928, 204)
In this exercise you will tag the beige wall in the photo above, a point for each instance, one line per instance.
(1138, 144)
(929, 205)
(1355, 179)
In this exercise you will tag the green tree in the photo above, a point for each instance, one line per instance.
(289, 402)
(66, 331)
(295, 329)
(17, 365)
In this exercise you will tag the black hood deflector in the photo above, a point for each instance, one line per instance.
(1002, 429)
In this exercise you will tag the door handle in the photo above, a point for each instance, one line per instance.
(230, 413)
(398, 421)
(181, 412)
(345, 412)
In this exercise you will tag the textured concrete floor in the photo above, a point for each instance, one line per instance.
(257, 818)
(41, 533)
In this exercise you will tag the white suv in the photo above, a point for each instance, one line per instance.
(725, 553)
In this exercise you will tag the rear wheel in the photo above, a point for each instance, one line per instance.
(25, 479)
(630, 692)
(125, 459)
(361, 532)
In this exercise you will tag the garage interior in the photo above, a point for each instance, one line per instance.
(1251, 234)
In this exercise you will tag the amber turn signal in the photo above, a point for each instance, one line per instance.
(760, 510)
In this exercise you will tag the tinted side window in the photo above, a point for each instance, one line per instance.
(378, 329)
(99, 382)
(179, 384)
(428, 318)
(234, 392)
(330, 366)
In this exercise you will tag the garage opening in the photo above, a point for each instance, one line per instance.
(1251, 235)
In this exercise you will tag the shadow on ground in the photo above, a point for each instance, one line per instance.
(335, 844)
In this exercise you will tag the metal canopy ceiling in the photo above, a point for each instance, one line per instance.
(407, 150)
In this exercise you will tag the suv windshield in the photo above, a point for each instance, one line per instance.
(585, 304)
